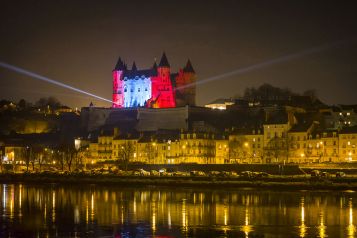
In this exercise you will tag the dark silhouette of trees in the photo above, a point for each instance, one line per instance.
(278, 149)
(267, 92)
(125, 154)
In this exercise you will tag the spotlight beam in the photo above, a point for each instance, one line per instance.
(48, 80)
(271, 62)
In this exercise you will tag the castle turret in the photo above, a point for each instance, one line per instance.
(118, 71)
(164, 66)
(186, 86)
(189, 75)
(188, 68)
(162, 90)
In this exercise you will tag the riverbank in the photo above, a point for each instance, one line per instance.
(276, 182)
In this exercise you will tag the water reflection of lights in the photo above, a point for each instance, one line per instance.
(4, 195)
(92, 207)
(87, 211)
(20, 201)
(122, 214)
(246, 228)
(175, 212)
(225, 228)
(302, 227)
(184, 216)
(169, 216)
(351, 229)
(45, 213)
(134, 205)
(322, 227)
(225, 215)
(76, 215)
(53, 206)
(153, 216)
(12, 197)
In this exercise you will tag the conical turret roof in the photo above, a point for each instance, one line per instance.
(134, 66)
(120, 65)
(188, 68)
(155, 65)
(164, 62)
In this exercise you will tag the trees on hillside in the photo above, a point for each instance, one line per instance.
(267, 92)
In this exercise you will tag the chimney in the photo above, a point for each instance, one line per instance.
(116, 131)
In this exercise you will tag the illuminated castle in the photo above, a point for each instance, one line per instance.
(153, 88)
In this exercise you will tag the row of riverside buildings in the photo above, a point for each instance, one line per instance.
(283, 136)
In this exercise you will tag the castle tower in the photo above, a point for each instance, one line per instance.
(186, 86)
(118, 96)
(189, 76)
(162, 90)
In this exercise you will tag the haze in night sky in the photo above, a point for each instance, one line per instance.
(79, 42)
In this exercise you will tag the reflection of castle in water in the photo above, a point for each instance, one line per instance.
(165, 211)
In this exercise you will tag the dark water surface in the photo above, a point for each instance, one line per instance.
(95, 211)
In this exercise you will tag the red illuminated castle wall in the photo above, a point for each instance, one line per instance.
(156, 87)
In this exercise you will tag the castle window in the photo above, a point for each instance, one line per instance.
(138, 89)
(125, 90)
(146, 89)
(132, 90)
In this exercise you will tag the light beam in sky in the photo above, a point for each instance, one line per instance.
(271, 62)
(48, 80)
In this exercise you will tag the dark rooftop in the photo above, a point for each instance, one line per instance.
(349, 130)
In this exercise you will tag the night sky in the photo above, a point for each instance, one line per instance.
(79, 42)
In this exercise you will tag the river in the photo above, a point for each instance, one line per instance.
(52, 210)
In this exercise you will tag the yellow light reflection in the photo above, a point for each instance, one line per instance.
(246, 228)
(12, 197)
(351, 229)
(134, 206)
(302, 227)
(322, 227)
(53, 206)
(20, 201)
(169, 216)
(153, 216)
(184, 216)
(76, 215)
(4, 191)
(87, 212)
(92, 208)
(225, 215)
(45, 213)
